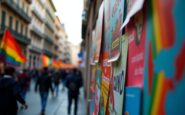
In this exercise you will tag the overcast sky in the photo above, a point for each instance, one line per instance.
(70, 13)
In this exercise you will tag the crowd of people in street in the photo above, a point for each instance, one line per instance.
(14, 86)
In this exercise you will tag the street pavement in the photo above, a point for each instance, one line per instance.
(55, 105)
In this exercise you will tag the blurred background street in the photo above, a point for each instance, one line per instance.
(56, 105)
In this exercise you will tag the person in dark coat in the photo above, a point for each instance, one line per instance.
(56, 81)
(10, 93)
(44, 84)
(73, 83)
(24, 82)
(63, 74)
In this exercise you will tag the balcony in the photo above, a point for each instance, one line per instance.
(36, 31)
(50, 14)
(49, 25)
(19, 37)
(35, 49)
(16, 9)
(48, 52)
(36, 12)
(48, 38)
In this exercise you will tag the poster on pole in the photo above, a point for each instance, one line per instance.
(136, 31)
(117, 84)
(99, 33)
(116, 20)
(106, 74)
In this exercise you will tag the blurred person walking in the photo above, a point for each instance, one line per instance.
(73, 83)
(56, 81)
(63, 75)
(24, 82)
(44, 83)
(10, 93)
(34, 73)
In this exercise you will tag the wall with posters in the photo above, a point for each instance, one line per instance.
(146, 74)
(118, 80)
(116, 19)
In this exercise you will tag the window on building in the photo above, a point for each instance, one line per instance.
(10, 22)
(26, 31)
(22, 29)
(3, 21)
(17, 25)
(30, 60)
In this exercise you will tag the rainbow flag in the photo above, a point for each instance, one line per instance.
(164, 29)
(55, 63)
(46, 61)
(164, 37)
(164, 61)
(10, 52)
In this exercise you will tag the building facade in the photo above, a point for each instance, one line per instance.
(64, 52)
(67, 51)
(57, 37)
(37, 33)
(49, 28)
(42, 32)
(15, 15)
(36, 29)
(90, 13)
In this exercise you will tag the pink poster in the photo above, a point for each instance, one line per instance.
(136, 30)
